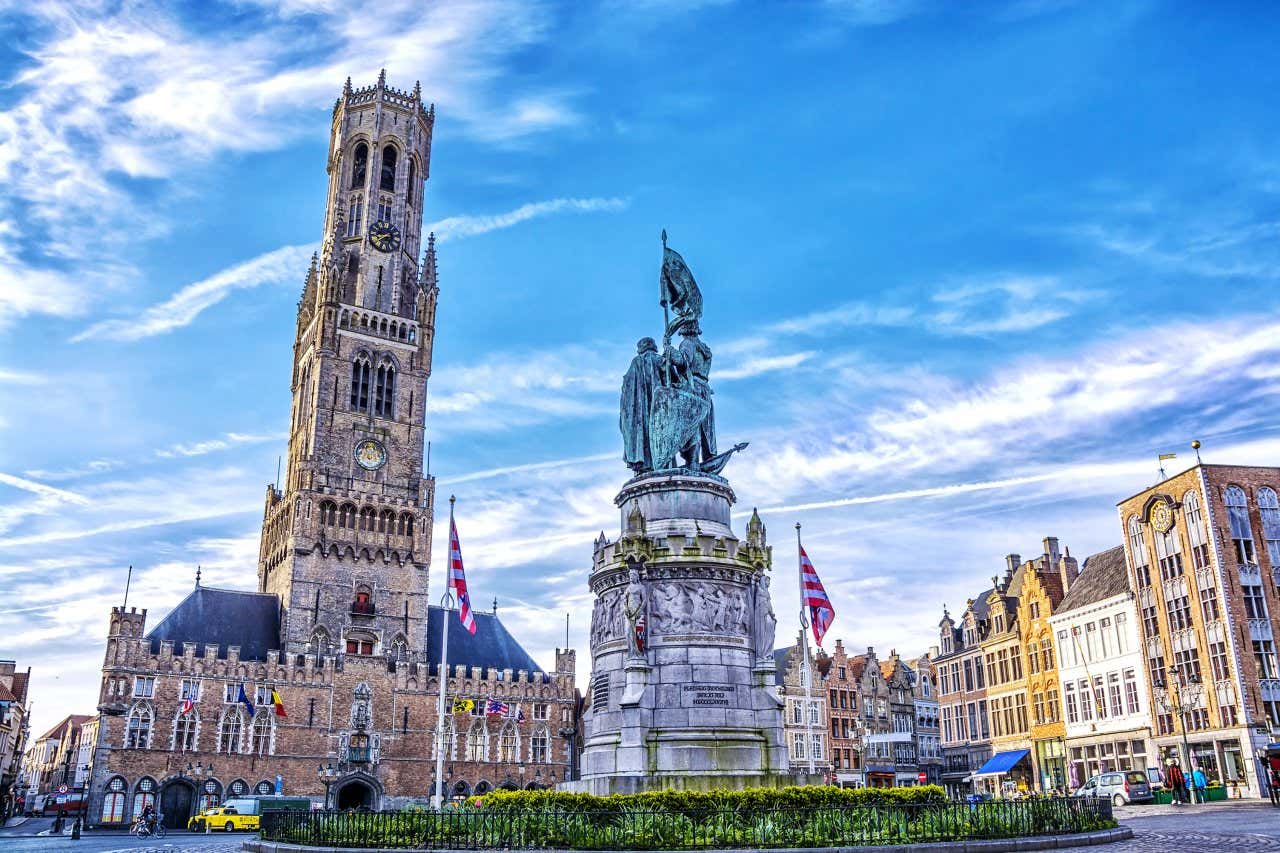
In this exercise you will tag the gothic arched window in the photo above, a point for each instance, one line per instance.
(406, 525)
(144, 794)
(263, 731)
(509, 744)
(1269, 509)
(478, 741)
(1138, 552)
(359, 165)
(360, 371)
(388, 181)
(399, 649)
(186, 729)
(385, 391)
(229, 730)
(1169, 553)
(1238, 518)
(410, 191)
(1194, 517)
(347, 517)
(113, 801)
(368, 518)
(355, 216)
(137, 733)
(319, 644)
(540, 746)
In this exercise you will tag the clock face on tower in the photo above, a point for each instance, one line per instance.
(370, 454)
(1162, 517)
(384, 236)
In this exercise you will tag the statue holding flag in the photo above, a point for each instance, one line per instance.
(667, 415)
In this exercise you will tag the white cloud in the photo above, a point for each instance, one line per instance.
(458, 227)
(284, 265)
(213, 445)
(42, 489)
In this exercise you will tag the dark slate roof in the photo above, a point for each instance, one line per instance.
(1102, 576)
(491, 647)
(225, 617)
(780, 657)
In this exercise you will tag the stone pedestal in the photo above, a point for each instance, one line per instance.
(696, 706)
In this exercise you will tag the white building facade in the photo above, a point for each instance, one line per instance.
(1102, 673)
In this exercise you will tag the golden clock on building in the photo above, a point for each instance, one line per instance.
(1162, 517)
(370, 454)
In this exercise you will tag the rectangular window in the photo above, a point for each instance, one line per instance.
(355, 217)
(190, 689)
(1187, 662)
(1218, 660)
(144, 687)
(1105, 637)
(1264, 653)
(1113, 694)
(1209, 604)
(1131, 691)
(262, 696)
(1155, 668)
(984, 719)
(1086, 700)
(1255, 605)
(541, 711)
(1179, 609)
(1091, 641)
(230, 693)
(1052, 702)
(1122, 632)
(797, 745)
(384, 209)
(815, 746)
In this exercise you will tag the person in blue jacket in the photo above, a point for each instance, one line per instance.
(1198, 784)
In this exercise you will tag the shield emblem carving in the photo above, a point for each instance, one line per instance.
(674, 419)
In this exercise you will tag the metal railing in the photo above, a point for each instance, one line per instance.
(625, 828)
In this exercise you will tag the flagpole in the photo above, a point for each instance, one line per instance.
(804, 650)
(446, 605)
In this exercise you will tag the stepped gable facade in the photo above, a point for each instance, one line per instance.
(339, 626)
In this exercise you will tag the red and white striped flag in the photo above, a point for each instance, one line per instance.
(458, 580)
(821, 613)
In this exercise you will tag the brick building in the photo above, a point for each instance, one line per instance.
(13, 732)
(878, 770)
(804, 709)
(50, 761)
(1203, 553)
(962, 695)
(901, 737)
(928, 734)
(339, 625)
(840, 683)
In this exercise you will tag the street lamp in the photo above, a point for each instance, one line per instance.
(327, 773)
(1181, 696)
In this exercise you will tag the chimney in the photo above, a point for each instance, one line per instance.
(1011, 562)
(1070, 571)
(1051, 550)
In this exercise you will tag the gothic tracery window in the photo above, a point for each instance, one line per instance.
(1194, 517)
(388, 179)
(1269, 509)
(137, 733)
(360, 375)
(355, 217)
(1238, 518)
(263, 729)
(385, 391)
(478, 741)
(185, 729)
(359, 165)
(229, 730)
(1138, 552)
(540, 746)
(509, 744)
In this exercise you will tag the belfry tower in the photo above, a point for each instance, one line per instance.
(346, 537)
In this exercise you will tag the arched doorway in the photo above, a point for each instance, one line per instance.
(177, 798)
(356, 795)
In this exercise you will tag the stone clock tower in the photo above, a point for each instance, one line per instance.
(346, 539)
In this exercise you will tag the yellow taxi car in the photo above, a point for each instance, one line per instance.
(223, 818)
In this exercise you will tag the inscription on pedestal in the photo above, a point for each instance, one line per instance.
(708, 695)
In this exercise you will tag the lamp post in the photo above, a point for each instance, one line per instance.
(327, 773)
(1179, 697)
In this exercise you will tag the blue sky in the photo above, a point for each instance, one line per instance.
(967, 267)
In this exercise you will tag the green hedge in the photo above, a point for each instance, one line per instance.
(809, 797)
(684, 820)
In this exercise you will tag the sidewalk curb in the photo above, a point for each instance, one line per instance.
(992, 845)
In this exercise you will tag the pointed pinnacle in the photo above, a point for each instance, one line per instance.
(382, 78)
(346, 90)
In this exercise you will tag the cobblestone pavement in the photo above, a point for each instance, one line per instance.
(118, 842)
(1244, 826)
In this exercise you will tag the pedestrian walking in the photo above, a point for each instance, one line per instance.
(1198, 784)
(1177, 784)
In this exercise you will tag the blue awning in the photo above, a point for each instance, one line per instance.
(1002, 762)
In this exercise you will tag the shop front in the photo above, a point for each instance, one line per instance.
(1007, 774)
(1224, 760)
(1051, 764)
(1123, 751)
(880, 776)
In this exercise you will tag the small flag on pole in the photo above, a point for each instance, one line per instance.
(458, 580)
(519, 714)
(279, 703)
(462, 706)
(821, 612)
(188, 706)
(495, 708)
(243, 699)
(1164, 456)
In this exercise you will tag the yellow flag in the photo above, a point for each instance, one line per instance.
(462, 706)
